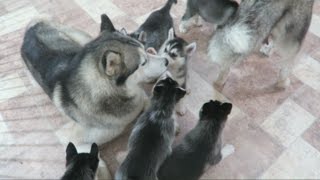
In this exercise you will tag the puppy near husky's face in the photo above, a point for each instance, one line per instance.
(81, 165)
(121, 56)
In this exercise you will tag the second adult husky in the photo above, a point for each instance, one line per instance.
(286, 21)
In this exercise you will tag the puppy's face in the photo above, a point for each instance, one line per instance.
(215, 110)
(77, 161)
(168, 89)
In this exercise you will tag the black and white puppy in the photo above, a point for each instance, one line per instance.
(81, 166)
(213, 11)
(201, 146)
(177, 51)
(154, 31)
(152, 136)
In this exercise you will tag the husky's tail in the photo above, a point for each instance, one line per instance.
(168, 5)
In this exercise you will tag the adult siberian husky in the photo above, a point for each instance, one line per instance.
(93, 81)
(285, 21)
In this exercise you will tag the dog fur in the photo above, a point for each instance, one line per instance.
(201, 146)
(151, 138)
(286, 21)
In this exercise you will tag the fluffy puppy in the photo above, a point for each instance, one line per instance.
(201, 146)
(81, 166)
(151, 138)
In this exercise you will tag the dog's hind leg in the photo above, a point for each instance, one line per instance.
(189, 19)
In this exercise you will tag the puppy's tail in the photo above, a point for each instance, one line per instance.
(168, 5)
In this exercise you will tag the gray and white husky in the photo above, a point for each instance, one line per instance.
(213, 11)
(201, 146)
(177, 51)
(286, 21)
(152, 136)
(154, 31)
(95, 82)
(81, 166)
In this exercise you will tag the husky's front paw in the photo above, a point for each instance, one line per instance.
(266, 49)
(181, 110)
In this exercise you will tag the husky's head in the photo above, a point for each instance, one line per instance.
(215, 111)
(86, 163)
(167, 91)
(118, 56)
(177, 50)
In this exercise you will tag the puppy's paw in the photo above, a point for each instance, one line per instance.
(183, 28)
(266, 50)
(181, 110)
(227, 150)
(103, 171)
(177, 129)
(283, 84)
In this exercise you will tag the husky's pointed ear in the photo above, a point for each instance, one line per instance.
(106, 24)
(71, 152)
(171, 34)
(152, 51)
(180, 93)
(94, 150)
(124, 31)
(191, 48)
(142, 36)
(110, 63)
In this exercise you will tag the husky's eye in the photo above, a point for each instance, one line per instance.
(173, 55)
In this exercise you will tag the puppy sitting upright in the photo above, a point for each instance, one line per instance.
(200, 146)
(213, 11)
(152, 136)
(81, 166)
(178, 51)
(154, 31)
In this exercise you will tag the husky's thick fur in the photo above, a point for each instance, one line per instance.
(81, 166)
(154, 31)
(213, 11)
(201, 146)
(178, 51)
(286, 21)
(150, 140)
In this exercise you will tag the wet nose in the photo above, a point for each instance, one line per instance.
(166, 62)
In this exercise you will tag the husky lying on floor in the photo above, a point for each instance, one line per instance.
(286, 21)
(95, 82)
(154, 31)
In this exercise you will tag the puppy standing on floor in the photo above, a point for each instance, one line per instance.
(81, 166)
(154, 31)
(178, 51)
(213, 11)
(286, 21)
(201, 146)
(151, 138)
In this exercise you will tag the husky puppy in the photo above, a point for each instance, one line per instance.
(213, 11)
(286, 21)
(178, 51)
(154, 31)
(201, 146)
(151, 138)
(81, 166)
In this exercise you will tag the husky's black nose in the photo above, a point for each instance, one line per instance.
(167, 62)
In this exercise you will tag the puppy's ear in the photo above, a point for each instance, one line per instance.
(191, 48)
(106, 24)
(71, 152)
(180, 93)
(94, 150)
(110, 63)
(124, 31)
(152, 51)
(226, 108)
(142, 37)
(171, 34)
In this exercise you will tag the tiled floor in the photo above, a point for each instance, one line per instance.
(275, 133)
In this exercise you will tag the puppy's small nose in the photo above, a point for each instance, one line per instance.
(166, 62)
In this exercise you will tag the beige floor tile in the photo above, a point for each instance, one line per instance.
(288, 122)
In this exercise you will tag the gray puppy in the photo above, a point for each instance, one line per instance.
(213, 11)
(81, 166)
(154, 31)
(201, 146)
(286, 21)
(151, 138)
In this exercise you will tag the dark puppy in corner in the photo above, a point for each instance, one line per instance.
(154, 31)
(152, 136)
(81, 166)
(201, 146)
